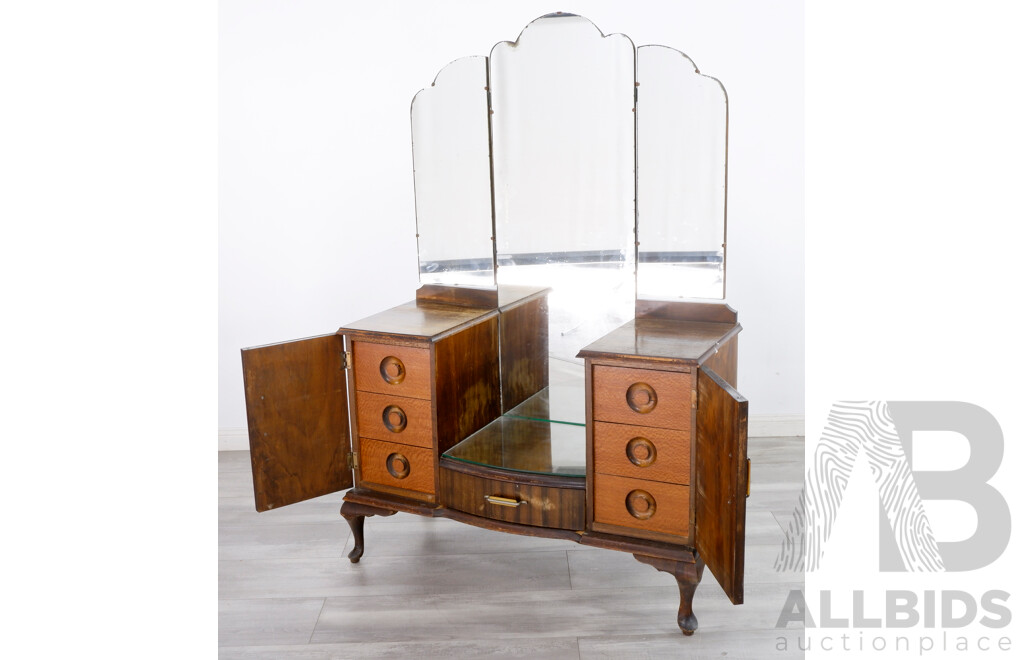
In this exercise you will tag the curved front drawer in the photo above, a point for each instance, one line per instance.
(395, 419)
(540, 506)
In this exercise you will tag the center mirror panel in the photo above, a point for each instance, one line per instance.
(563, 144)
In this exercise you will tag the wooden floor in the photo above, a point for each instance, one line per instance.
(430, 588)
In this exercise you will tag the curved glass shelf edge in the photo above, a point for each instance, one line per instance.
(529, 446)
(546, 421)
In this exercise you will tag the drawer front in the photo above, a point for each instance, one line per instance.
(641, 452)
(643, 397)
(395, 419)
(393, 370)
(540, 506)
(646, 505)
(395, 465)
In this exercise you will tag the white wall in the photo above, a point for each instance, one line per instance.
(317, 224)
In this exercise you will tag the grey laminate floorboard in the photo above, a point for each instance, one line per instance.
(437, 588)
(556, 648)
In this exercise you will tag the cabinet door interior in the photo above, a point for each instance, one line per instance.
(721, 471)
(295, 399)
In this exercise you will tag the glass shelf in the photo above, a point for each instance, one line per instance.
(546, 434)
(563, 401)
(526, 445)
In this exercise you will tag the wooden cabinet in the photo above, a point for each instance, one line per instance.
(414, 419)
(667, 453)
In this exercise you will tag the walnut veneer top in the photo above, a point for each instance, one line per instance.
(666, 339)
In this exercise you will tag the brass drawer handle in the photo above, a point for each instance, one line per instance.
(641, 398)
(392, 370)
(504, 501)
(394, 419)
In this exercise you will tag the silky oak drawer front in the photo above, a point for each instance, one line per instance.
(540, 506)
(397, 466)
(645, 505)
(643, 397)
(395, 419)
(393, 370)
(641, 452)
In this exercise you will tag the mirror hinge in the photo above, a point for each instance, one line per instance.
(352, 459)
(346, 360)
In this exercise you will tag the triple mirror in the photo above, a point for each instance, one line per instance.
(576, 161)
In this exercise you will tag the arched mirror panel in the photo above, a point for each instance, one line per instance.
(451, 170)
(564, 189)
(681, 183)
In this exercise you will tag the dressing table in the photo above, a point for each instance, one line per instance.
(567, 368)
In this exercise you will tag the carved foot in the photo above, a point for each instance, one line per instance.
(355, 514)
(356, 523)
(687, 576)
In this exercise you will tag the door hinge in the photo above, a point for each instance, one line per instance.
(693, 397)
(352, 459)
(346, 360)
(748, 477)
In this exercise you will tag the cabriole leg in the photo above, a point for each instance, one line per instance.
(355, 514)
(687, 576)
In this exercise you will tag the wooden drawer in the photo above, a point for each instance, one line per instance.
(397, 466)
(393, 370)
(394, 418)
(641, 452)
(643, 397)
(540, 506)
(651, 506)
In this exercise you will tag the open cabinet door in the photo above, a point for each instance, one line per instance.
(721, 507)
(298, 420)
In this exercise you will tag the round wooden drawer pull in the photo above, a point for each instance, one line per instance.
(640, 504)
(641, 452)
(398, 466)
(392, 370)
(641, 397)
(394, 419)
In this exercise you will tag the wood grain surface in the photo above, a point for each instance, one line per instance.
(373, 465)
(542, 506)
(725, 361)
(416, 379)
(419, 426)
(669, 462)
(686, 311)
(298, 420)
(671, 514)
(673, 391)
(415, 322)
(467, 382)
(721, 483)
(524, 351)
(656, 338)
